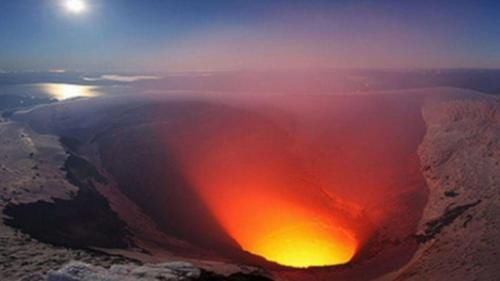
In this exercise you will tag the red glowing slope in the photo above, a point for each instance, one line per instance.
(308, 194)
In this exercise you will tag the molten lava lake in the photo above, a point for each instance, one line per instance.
(295, 237)
(309, 182)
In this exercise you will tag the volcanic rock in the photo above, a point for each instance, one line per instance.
(171, 271)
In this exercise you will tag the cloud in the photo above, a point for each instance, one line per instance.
(122, 78)
(57, 70)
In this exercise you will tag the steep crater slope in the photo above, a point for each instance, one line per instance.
(199, 168)
(460, 156)
(86, 220)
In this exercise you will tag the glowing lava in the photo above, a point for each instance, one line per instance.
(283, 231)
(300, 240)
(307, 245)
(260, 193)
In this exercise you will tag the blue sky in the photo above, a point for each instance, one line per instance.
(191, 35)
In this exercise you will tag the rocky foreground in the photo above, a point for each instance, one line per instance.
(173, 271)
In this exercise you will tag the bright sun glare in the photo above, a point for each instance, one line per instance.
(68, 91)
(75, 6)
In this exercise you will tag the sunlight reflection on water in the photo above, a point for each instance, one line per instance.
(68, 91)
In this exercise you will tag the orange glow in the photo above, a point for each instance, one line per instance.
(310, 190)
(281, 230)
(258, 192)
(298, 240)
(305, 245)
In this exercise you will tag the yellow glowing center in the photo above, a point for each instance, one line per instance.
(307, 245)
(286, 233)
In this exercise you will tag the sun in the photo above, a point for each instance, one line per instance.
(75, 6)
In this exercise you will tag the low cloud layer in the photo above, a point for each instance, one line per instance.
(121, 78)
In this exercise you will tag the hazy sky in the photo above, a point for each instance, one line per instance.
(193, 35)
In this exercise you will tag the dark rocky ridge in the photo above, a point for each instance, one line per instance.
(435, 226)
(84, 221)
